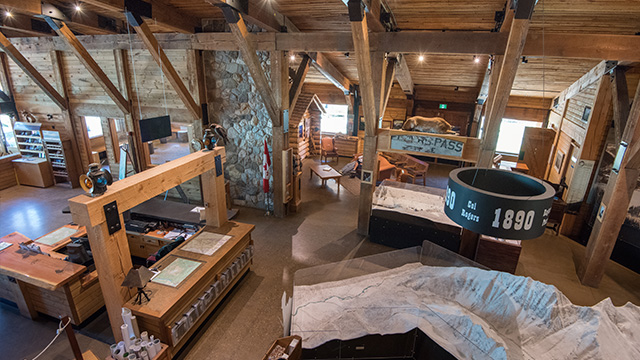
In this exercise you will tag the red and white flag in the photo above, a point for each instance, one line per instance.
(266, 162)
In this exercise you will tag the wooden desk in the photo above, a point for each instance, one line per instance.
(34, 172)
(168, 304)
(514, 166)
(47, 284)
(325, 172)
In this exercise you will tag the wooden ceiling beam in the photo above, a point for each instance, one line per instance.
(28, 69)
(627, 46)
(615, 203)
(326, 68)
(403, 75)
(269, 19)
(90, 64)
(248, 51)
(298, 80)
(167, 16)
(145, 34)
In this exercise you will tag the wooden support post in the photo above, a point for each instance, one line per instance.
(77, 165)
(28, 69)
(515, 44)
(615, 204)
(280, 129)
(360, 34)
(151, 43)
(620, 95)
(90, 64)
(23, 300)
(132, 120)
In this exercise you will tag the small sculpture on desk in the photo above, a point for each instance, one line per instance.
(138, 278)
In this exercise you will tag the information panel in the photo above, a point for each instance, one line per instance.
(427, 144)
(498, 203)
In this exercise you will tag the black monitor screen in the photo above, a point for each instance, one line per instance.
(155, 128)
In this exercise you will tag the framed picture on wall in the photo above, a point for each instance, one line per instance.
(397, 124)
(557, 165)
(367, 176)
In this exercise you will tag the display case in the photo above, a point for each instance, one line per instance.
(29, 139)
(59, 152)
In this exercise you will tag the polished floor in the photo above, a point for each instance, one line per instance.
(247, 322)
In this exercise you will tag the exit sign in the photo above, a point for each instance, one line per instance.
(442, 106)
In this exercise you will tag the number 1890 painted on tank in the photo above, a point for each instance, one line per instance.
(511, 219)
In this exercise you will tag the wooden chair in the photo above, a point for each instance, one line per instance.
(496, 161)
(416, 170)
(328, 149)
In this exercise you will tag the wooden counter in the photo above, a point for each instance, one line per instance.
(168, 304)
(47, 284)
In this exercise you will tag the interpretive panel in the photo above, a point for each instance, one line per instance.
(427, 144)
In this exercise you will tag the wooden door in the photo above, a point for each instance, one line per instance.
(535, 149)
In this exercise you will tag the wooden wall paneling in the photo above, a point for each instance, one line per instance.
(555, 148)
(90, 64)
(280, 142)
(31, 71)
(616, 199)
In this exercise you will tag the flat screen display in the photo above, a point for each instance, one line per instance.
(155, 128)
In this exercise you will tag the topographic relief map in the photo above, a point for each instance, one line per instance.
(471, 313)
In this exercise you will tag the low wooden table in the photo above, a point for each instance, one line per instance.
(325, 172)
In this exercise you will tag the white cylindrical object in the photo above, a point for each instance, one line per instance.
(117, 354)
(113, 348)
(151, 350)
(126, 318)
(157, 345)
(144, 336)
(132, 357)
(144, 355)
(125, 336)
(134, 323)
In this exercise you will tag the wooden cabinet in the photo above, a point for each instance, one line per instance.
(7, 172)
(59, 152)
(33, 172)
(347, 145)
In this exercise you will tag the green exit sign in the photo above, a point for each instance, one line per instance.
(442, 106)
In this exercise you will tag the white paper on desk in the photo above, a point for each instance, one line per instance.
(175, 233)
(197, 209)
(206, 243)
(4, 245)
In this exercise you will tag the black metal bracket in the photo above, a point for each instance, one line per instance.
(218, 161)
(356, 10)
(112, 216)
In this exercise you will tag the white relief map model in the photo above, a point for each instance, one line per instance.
(472, 313)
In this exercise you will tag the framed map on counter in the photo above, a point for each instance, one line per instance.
(206, 243)
(175, 273)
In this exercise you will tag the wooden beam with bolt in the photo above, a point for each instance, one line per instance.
(31, 71)
(90, 64)
(144, 33)
(298, 81)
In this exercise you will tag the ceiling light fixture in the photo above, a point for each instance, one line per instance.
(8, 14)
(292, 57)
(421, 58)
(78, 8)
(476, 59)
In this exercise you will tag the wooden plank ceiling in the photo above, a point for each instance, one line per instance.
(538, 77)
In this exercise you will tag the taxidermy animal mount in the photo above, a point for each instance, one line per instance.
(433, 125)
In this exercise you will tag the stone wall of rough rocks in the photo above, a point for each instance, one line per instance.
(235, 104)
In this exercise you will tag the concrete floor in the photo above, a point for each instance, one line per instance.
(248, 321)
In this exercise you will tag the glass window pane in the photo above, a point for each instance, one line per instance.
(94, 126)
(335, 119)
(7, 129)
(511, 133)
